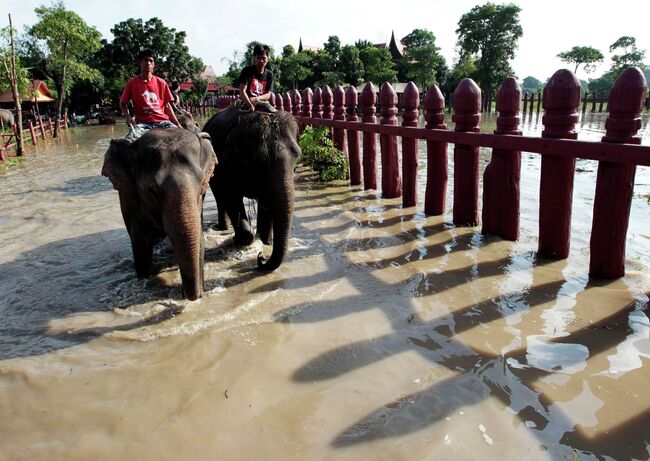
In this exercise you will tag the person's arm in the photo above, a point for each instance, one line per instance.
(248, 102)
(172, 116)
(125, 111)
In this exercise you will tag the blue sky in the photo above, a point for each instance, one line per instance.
(216, 29)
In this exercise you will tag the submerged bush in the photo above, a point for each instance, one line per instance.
(319, 153)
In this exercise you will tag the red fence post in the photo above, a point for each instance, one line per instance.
(561, 100)
(391, 183)
(42, 127)
(296, 101)
(437, 175)
(286, 99)
(367, 103)
(410, 146)
(317, 106)
(339, 114)
(502, 175)
(351, 98)
(307, 98)
(49, 122)
(296, 107)
(467, 116)
(328, 106)
(615, 183)
(279, 103)
(32, 133)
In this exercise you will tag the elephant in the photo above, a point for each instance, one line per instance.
(161, 179)
(256, 154)
(7, 118)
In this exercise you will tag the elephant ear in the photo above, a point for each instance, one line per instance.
(208, 160)
(117, 165)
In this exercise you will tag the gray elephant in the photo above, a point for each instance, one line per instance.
(7, 118)
(162, 178)
(256, 153)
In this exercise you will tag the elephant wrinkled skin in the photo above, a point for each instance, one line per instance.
(256, 152)
(161, 179)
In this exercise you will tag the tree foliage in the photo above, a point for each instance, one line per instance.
(630, 55)
(582, 56)
(378, 65)
(5, 66)
(422, 60)
(67, 45)
(490, 32)
(530, 83)
(294, 68)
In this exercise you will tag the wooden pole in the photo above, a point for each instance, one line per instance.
(437, 175)
(467, 116)
(615, 182)
(20, 145)
(410, 146)
(502, 175)
(391, 183)
(367, 104)
(351, 101)
(561, 100)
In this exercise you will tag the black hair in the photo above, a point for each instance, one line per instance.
(261, 49)
(146, 53)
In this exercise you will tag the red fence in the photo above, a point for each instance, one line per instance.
(618, 155)
(32, 132)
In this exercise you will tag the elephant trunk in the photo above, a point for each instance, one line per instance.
(181, 213)
(281, 205)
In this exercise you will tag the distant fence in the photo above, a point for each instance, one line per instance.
(618, 154)
(33, 131)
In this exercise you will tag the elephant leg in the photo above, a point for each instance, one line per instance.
(219, 189)
(142, 247)
(264, 222)
(237, 213)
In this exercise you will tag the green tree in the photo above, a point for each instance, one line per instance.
(490, 32)
(69, 44)
(287, 51)
(294, 68)
(378, 65)
(631, 55)
(22, 75)
(422, 59)
(582, 55)
(118, 59)
(351, 65)
(361, 44)
(463, 68)
(531, 84)
(603, 84)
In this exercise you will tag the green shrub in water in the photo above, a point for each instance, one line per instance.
(319, 153)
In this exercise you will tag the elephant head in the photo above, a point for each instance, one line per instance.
(161, 179)
(257, 152)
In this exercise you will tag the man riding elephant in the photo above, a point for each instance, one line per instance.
(151, 97)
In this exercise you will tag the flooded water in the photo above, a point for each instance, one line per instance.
(385, 335)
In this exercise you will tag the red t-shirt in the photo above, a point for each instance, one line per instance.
(149, 99)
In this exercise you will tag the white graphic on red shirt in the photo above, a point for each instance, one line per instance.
(151, 104)
(257, 86)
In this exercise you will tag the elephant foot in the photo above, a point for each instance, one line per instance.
(244, 235)
(221, 225)
(268, 240)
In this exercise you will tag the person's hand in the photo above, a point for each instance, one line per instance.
(251, 106)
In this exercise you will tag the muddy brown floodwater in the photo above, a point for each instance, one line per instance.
(385, 335)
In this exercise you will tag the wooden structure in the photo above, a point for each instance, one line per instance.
(618, 154)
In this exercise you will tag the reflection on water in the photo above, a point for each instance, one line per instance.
(385, 335)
